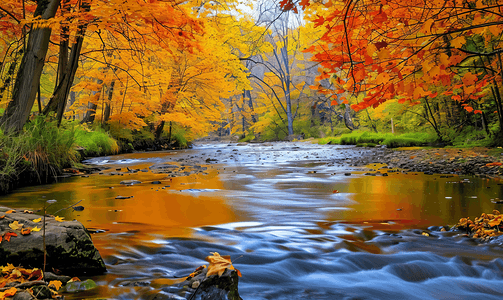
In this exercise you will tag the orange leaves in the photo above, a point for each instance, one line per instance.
(8, 293)
(218, 264)
(469, 79)
(483, 227)
(8, 235)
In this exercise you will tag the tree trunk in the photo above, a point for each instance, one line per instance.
(107, 111)
(60, 95)
(28, 76)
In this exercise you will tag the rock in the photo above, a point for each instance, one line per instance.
(80, 286)
(68, 244)
(123, 197)
(130, 182)
(156, 182)
(214, 287)
(162, 167)
(22, 295)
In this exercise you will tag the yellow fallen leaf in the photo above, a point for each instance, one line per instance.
(37, 220)
(56, 284)
(35, 229)
(218, 264)
(59, 219)
(15, 225)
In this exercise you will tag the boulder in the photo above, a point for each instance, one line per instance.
(214, 287)
(69, 247)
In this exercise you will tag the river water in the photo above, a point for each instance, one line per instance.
(298, 221)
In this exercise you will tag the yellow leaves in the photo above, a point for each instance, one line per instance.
(36, 229)
(383, 54)
(59, 219)
(426, 28)
(37, 220)
(15, 225)
(218, 264)
(419, 92)
(458, 42)
(55, 284)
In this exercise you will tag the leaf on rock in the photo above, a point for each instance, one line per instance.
(8, 293)
(55, 284)
(7, 236)
(1, 217)
(35, 229)
(218, 264)
(15, 225)
(10, 211)
(25, 231)
(59, 219)
(37, 220)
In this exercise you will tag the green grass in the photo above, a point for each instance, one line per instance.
(95, 143)
(371, 139)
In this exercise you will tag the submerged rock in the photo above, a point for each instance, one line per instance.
(69, 247)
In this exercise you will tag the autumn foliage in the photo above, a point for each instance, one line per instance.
(411, 50)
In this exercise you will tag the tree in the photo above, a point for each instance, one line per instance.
(28, 76)
(412, 50)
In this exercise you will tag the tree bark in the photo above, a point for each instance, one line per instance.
(60, 95)
(28, 76)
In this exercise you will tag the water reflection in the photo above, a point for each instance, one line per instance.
(302, 227)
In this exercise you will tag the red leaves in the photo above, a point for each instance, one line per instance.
(8, 235)
(319, 21)
(380, 45)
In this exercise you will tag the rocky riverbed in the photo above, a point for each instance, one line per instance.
(476, 161)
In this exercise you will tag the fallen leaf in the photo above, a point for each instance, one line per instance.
(15, 225)
(56, 284)
(59, 219)
(7, 236)
(1, 238)
(37, 220)
(335, 191)
(218, 264)
(74, 279)
(35, 229)
(8, 293)
(27, 211)
(10, 211)
(25, 231)
(36, 274)
(1, 217)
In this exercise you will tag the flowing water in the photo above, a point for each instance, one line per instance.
(297, 220)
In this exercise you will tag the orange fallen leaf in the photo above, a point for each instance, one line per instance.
(56, 284)
(7, 235)
(37, 220)
(218, 264)
(335, 191)
(74, 279)
(1, 238)
(412, 157)
(15, 225)
(10, 211)
(59, 219)
(1, 217)
(25, 231)
(493, 164)
(8, 293)
(36, 274)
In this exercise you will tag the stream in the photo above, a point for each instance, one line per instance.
(297, 219)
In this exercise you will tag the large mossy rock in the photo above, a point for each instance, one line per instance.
(70, 249)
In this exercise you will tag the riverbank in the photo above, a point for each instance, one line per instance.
(460, 161)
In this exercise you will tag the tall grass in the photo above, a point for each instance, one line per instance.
(41, 147)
